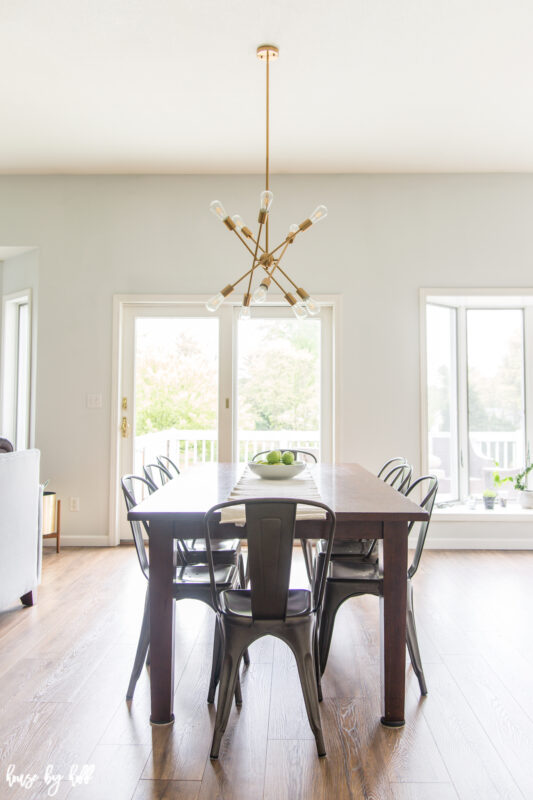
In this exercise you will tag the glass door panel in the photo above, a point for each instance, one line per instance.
(176, 390)
(278, 384)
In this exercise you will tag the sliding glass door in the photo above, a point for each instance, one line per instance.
(201, 388)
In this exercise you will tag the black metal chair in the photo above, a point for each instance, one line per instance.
(169, 465)
(398, 476)
(350, 578)
(190, 583)
(157, 475)
(387, 466)
(307, 455)
(307, 545)
(193, 552)
(268, 607)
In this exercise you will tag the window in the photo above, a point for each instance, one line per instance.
(16, 369)
(475, 388)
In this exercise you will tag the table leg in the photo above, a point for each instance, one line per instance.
(393, 623)
(161, 580)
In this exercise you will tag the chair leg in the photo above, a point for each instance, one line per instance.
(301, 642)
(332, 600)
(148, 656)
(307, 550)
(412, 642)
(243, 581)
(215, 664)
(229, 685)
(142, 648)
(316, 657)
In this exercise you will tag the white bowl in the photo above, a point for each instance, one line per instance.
(277, 472)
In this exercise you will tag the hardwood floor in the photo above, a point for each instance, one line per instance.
(65, 663)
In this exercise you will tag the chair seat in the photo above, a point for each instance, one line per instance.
(198, 575)
(356, 549)
(346, 570)
(225, 551)
(238, 603)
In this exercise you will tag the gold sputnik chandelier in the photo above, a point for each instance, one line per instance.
(266, 263)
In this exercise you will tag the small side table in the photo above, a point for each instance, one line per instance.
(52, 518)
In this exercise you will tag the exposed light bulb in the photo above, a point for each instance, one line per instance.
(294, 228)
(312, 306)
(260, 294)
(300, 311)
(238, 220)
(319, 213)
(266, 199)
(244, 313)
(218, 210)
(215, 302)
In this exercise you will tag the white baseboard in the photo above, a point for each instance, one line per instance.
(449, 543)
(79, 541)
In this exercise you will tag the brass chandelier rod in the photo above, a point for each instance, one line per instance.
(267, 165)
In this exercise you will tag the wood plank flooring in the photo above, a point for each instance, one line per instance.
(65, 663)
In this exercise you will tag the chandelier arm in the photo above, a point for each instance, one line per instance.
(282, 252)
(254, 265)
(244, 243)
(286, 241)
(243, 276)
(277, 266)
(280, 287)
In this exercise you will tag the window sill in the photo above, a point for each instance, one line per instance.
(461, 513)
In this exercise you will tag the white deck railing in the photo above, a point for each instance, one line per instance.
(187, 448)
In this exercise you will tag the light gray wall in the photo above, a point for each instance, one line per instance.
(385, 237)
(17, 273)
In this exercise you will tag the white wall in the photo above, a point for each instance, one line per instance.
(385, 237)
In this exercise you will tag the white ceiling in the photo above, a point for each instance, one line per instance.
(174, 86)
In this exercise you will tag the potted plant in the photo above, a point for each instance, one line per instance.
(489, 496)
(498, 482)
(520, 484)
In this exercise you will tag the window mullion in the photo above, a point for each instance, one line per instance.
(528, 378)
(462, 400)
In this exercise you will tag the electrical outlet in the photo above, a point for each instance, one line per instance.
(74, 504)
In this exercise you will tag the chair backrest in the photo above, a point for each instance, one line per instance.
(270, 526)
(156, 475)
(169, 465)
(306, 455)
(429, 486)
(399, 477)
(387, 466)
(131, 488)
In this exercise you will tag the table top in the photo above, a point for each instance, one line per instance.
(351, 491)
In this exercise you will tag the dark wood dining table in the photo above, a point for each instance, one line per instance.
(365, 507)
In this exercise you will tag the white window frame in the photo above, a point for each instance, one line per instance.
(462, 299)
(330, 398)
(11, 304)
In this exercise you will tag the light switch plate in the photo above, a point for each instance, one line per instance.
(94, 401)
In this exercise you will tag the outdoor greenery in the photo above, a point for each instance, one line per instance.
(279, 388)
(176, 384)
(176, 377)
